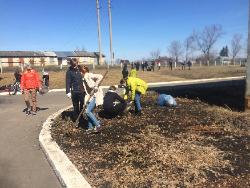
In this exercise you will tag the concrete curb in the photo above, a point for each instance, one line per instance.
(157, 84)
(65, 170)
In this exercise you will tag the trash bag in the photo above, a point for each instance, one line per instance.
(166, 100)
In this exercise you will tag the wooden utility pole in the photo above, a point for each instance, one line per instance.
(110, 35)
(247, 94)
(99, 33)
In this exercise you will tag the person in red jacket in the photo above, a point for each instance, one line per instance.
(30, 83)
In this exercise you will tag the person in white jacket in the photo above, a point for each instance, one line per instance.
(90, 82)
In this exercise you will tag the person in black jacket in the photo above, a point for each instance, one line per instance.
(74, 86)
(113, 104)
(125, 71)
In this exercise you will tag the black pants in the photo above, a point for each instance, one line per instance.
(77, 101)
(116, 110)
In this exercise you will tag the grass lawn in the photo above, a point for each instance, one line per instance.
(57, 78)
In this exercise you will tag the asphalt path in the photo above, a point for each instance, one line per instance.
(22, 162)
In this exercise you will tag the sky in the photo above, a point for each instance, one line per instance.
(139, 26)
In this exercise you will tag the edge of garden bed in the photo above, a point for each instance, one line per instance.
(64, 169)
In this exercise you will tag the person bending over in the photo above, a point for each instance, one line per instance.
(90, 82)
(113, 104)
(137, 87)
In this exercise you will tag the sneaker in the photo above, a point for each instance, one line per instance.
(90, 130)
(27, 112)
(33, 113)
(98, 129)
(138, 113)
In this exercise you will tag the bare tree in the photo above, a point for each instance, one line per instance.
(236, 45)
(175, 50)
(206, 39)
(155, 54)
(189, 45)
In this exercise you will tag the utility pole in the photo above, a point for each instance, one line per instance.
(110, 35)
(99, 33)
(247, 94)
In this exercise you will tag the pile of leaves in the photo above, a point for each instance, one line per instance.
(194, 144)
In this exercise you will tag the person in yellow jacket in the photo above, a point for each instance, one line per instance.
(137, 87)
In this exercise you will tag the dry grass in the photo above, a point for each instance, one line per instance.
(57, 78)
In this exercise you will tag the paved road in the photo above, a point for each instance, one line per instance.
(22, 162)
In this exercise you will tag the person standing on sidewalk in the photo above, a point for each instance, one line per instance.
(91, 82)
(30, 84)
(18, 76)
(74, 87)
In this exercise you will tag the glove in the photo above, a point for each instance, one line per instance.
(95, 89)
(68, 95)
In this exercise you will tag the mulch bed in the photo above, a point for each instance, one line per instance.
(194, 145)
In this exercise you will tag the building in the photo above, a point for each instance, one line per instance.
(39, 58)
(17, 58)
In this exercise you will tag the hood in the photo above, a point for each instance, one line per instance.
(133, 73)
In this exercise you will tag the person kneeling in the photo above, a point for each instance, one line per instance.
(113, 104)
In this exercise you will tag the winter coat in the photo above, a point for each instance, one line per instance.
(136, 85)
(74, 81)
(110, 99)
(92, 81)
(30, 80)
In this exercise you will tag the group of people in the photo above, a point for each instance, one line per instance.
(83, 87)
(146, 65)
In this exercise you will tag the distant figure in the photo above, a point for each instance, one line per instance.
(142, 66)
(137, 66)
(166, 100)
(132, 65)
(125, 71)
(183, 64)
(159, 65)
(146, 65)
(189, 64)
(16, 85)
(46, 78)
(113, 104)
(170, 62)
(153, 65)
(17, 75)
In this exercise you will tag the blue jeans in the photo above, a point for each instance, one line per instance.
(137, 102)
(91, 117)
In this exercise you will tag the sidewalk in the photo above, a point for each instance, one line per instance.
(22, 162)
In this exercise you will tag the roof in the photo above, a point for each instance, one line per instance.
(21, 54)
(60, 54)
(49, 54)
(65, 54)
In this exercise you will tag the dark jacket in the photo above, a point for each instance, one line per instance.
(18, 76)
(74, 81)
(109, 100)
(125, 71)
